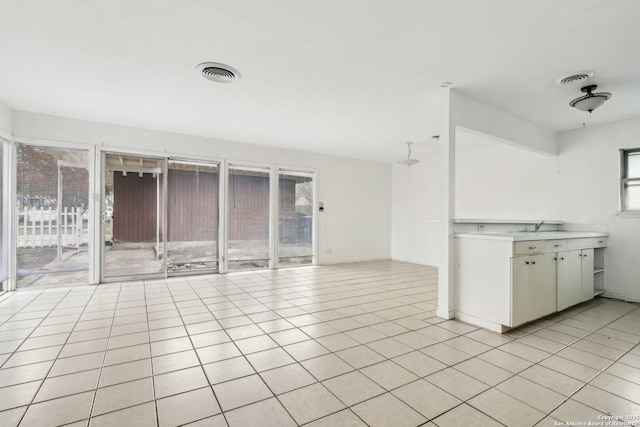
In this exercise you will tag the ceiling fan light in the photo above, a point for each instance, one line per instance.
(590, 101)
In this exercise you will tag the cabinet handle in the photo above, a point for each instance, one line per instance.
(526, 262)
(533, 262)
(532, 247)
(585, 255)
(600, 241)
(556, 246)
(562, 259)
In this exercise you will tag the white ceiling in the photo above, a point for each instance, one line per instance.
(356, 78)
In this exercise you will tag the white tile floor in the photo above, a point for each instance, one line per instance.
(346, 345)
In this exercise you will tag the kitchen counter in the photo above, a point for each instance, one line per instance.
(508, 278)
(516, 236)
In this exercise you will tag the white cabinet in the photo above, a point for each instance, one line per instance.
(505, 282)
(598, 269)
(533, 284)
(586, 274)
(569, 268)
(575, 277)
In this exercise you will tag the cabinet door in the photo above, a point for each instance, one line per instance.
(533, 287)
(543, 282)
(587, 274)
(521, 292)
(569, 287)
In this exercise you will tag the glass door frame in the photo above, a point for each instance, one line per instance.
(9, 189)
(104, 278)
(93, 274)
(314, 220)
(220, 242)
(273, 184)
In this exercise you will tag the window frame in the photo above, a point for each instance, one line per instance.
(624, 180)
(6, 239)
(307, 173)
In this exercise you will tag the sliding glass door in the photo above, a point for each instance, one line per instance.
(192, 216)
(52, 216)
(132, 216)
(159, 217)
(248, 218)
(5, 193)
(295, 218)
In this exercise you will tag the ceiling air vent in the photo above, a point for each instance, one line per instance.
(218, 73)
(575, 78)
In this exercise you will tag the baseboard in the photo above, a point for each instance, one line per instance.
(621, 297)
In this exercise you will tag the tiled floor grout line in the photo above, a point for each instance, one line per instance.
(29, 335)
(295, 361)
(420, 378)
(210, 386)
(550, 355)
(334, 353)
(414, 330)
(248, 314)
(61, 348)
(491, 349)
(55, 333)
(348, 407)
(275, 395)
(241, 352)
(104, 356)
(153, 382)
(472, 338)
(601, 370)
(4, 295)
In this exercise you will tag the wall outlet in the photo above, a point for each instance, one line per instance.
(328, 251)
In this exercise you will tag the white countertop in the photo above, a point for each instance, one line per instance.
(505, 221)
(529, 235)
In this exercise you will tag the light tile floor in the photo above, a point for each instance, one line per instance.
(345, 345)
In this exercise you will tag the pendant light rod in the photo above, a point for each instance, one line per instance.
(409, 160)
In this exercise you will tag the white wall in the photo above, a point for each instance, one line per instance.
(580, 186)
(6, 121)
(589, 197)
(495, 180)
(471, 114)
(357, 194)
(415, 209)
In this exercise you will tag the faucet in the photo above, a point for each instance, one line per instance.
(538, 225)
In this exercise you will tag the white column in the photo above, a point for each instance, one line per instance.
(447, 175)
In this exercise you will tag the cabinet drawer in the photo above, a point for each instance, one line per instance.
(529, 247)
(539, 246)
(556, 245)
(582, 243)
(599, 242)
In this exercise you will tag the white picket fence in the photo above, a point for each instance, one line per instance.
(39, 227)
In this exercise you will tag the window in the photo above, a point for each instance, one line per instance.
(630, 180)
